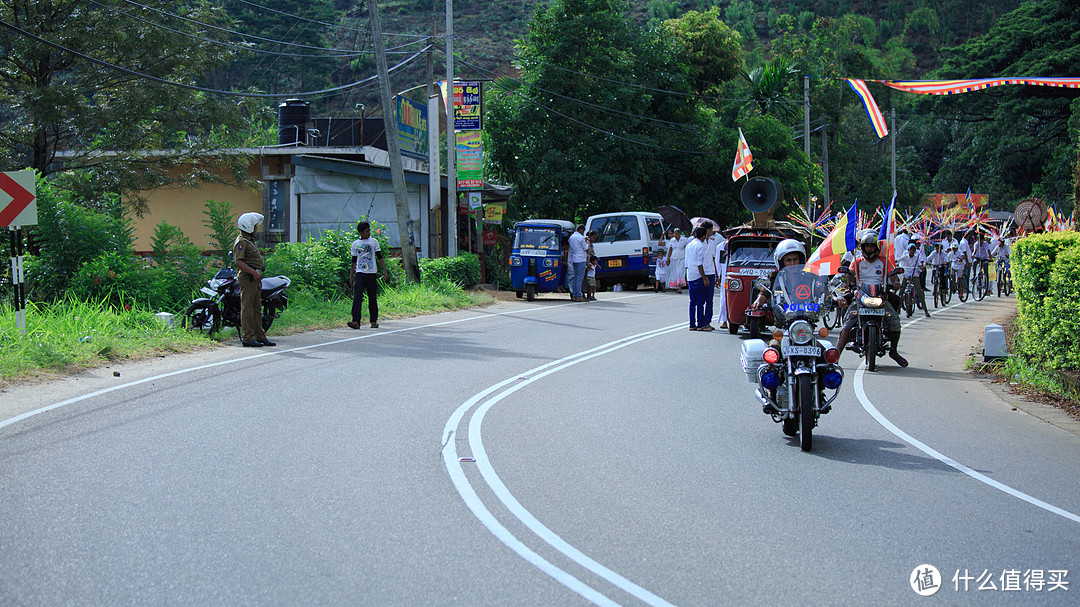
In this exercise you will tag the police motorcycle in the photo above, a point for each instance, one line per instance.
(795, 368)
(221, 307)
(872, 337)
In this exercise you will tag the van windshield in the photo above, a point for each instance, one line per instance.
(617, 228)
(536, 238)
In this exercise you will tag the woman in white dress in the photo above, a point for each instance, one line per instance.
(677, 261)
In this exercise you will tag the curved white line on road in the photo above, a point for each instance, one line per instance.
(860, 392)
(276, 352)
(479, 453)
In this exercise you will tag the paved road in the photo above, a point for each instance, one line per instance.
(531, 454)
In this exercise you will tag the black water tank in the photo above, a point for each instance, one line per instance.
(293, 116)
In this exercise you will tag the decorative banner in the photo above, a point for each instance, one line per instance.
(876, 119)
(955, 87)
(493, 213)
(18, 200)
(467, 106)
(470, 166)
(744, 160)
(412, 124)
(957, 207)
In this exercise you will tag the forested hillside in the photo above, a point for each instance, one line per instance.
(591, 105)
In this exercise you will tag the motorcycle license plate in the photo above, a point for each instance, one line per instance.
(208, 291)
(872, 312)
(802, 351)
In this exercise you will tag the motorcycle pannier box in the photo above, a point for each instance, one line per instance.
(752, 350)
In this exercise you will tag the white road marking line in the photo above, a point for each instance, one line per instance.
(493, 481)
(860, 392)
(276, 352)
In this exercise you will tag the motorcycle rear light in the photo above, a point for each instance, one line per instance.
(770, 380)
(832, 380)
(823, 332)
(771, 356)
(832, 355)
(734, 284)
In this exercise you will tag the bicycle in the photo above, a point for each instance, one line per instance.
(942, 293)
(980, 282)
(1004, 278)
(957, 283)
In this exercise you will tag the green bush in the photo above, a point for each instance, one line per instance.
(116, 279)
(179, 269)
(463, 270)
(1047, 280)
(309, 265)
(221, 222)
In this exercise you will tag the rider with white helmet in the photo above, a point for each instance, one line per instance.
(871, 268)
(249, 261)
(789, 252)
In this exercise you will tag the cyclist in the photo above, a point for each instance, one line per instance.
(872, 269)
(980, 251)
(939, 261)
(1001, 252)
(958, 259)
(912, 261)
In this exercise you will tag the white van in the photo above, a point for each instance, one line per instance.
(626, 246)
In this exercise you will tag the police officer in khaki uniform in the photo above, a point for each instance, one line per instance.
(249, 261)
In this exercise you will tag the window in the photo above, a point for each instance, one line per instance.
(536, 238)
(751, 256)
(656, 228)
(617, 228)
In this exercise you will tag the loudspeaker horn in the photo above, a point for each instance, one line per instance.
(761, 195)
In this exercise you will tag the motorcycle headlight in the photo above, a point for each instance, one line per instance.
(734, 284)
(801, 332)
(872, 302)
(515, 260)
(549, 263)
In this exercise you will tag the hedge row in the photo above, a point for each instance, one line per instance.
(1046, 273)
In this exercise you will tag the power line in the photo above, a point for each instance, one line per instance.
(204, 89)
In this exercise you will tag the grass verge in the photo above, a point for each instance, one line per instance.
(70, 336)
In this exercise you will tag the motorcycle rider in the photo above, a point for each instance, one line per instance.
(872, 269)
(789, 252)
(249, 261)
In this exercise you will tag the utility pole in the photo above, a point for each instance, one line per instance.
(451, 139)
(825, 161)
(892, 131)
(806, 131)
(434, 191)
(393, 146)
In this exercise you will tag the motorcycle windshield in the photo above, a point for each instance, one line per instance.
(798, 293)
(536, 238)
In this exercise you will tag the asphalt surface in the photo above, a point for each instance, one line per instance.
(532, 454)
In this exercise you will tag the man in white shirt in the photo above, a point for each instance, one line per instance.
(720, 259)
(695, 279)
(900, 244)
(964, 252)
(912, 261)
(712, 241)
(577, 259)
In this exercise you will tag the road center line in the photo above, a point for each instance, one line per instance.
(493, 481)
(860, 392)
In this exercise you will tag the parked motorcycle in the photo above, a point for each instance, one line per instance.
(872, 337)
(221, 307)
(794, 369)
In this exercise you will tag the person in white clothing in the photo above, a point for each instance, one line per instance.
(695, 279)
(712, 241)
(900, 244)
(720, 259)
(912, 261)
(578, 257)
(676, 261)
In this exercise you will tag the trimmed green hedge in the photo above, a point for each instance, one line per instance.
(463, 270)
(1046, 273)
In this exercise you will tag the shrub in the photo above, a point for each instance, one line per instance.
(309, 265)
(1048, 297)
(116, 279)
(221, 222)
(463, 270)
(179, 269)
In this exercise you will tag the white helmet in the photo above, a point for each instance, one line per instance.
(789, 245)
(248, 221)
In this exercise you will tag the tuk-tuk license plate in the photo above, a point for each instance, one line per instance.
(754, 271)
(533, 253)
(614, 263)
(871, 311)
(802, 351)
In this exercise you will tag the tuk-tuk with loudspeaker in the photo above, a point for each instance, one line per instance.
(750, 254)
(538, 256)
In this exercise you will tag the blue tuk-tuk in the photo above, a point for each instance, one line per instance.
(538, 256)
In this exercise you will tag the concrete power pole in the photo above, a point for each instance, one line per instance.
(393, 146)
(451, 139)
(806, 132)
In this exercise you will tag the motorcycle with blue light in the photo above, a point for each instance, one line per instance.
(798, 365)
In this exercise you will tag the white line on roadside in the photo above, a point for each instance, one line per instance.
(277, 352)
(860, 392)
(476, 445)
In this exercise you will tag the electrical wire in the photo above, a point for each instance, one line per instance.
(192, 87)
(334, 25)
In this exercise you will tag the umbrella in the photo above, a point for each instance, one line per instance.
(699, 220)
(675, 218)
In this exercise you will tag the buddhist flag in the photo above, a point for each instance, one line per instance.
(887, 232)
(744, 160)
(827, 258)
(876, 119)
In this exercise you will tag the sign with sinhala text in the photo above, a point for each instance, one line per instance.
(467, 106)
(18, 199)
(412, 124)
(470, 169)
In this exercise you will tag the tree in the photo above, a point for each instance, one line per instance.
(66, 110)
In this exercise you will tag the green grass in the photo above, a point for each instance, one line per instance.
(71, 335)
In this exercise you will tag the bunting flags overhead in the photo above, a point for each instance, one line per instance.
(827, 257)
(744, 160)
(955, 87)
(876, 119)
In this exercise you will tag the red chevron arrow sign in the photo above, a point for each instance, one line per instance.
(20, 210)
